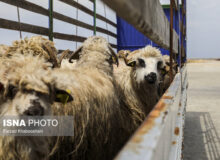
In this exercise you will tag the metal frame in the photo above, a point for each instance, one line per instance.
(51, 20)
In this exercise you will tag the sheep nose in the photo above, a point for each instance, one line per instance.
(35, 110)
(151, 78)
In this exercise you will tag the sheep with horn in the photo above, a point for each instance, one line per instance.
(37, 46)
(138, 81)
(26, 89)
(96, 110)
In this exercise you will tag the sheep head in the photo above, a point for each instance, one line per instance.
(37, 46)
(96, 44)
(3, 49)
(27, 87)
(147, 65)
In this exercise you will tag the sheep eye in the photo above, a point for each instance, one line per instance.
(159, 65)
(12, 90)
(141, 62)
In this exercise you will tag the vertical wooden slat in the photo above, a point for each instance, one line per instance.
(19, 20)
(182, 36)
(171, 40)
(94, 16)
(51, 20)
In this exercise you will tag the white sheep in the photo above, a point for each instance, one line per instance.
(27, 90)
(3, 49)
(37, 46)
(165, 79)
(139, 81)
(98, 117)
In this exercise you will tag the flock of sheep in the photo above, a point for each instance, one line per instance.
(109, 95)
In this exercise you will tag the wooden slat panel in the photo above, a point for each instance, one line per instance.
(88, 11)
(175, 41)
(38, 9)
(148, 17)
(7, 24)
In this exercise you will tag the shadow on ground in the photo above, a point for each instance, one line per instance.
(201, 140)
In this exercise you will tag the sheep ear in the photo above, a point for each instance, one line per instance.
(164, 71)
(115, 57)
(63, 96)
(131, 64)
(75, 53)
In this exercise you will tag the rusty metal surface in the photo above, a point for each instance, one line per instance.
(171, 39)
(160, 135)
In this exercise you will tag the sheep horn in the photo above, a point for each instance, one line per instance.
(74, 53)
(63, 55)
(125, 60)
(52, 56)
(114, 54)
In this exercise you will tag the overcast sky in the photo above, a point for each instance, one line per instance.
(203, 28)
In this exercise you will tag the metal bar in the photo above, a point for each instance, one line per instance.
(171, 40)
(182, 36)
(184, 29)
(175, 4)
(19, 20)
(94, 17)
(106, 24)
(77, 17)
(51, 20)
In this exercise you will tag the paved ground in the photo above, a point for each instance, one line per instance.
(202, 127)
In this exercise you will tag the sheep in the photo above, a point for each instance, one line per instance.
(64, 61)
(123, 53)
(27, 90)
(138, 81)
(98, 118)
(165, 79)
(3, 49)
(37, 46)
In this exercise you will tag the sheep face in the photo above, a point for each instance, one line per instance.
(27, 87)
(147, 70)
(29, 102)
(147, 65)
(26, 100)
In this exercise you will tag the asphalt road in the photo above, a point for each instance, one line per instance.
(202, 123)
